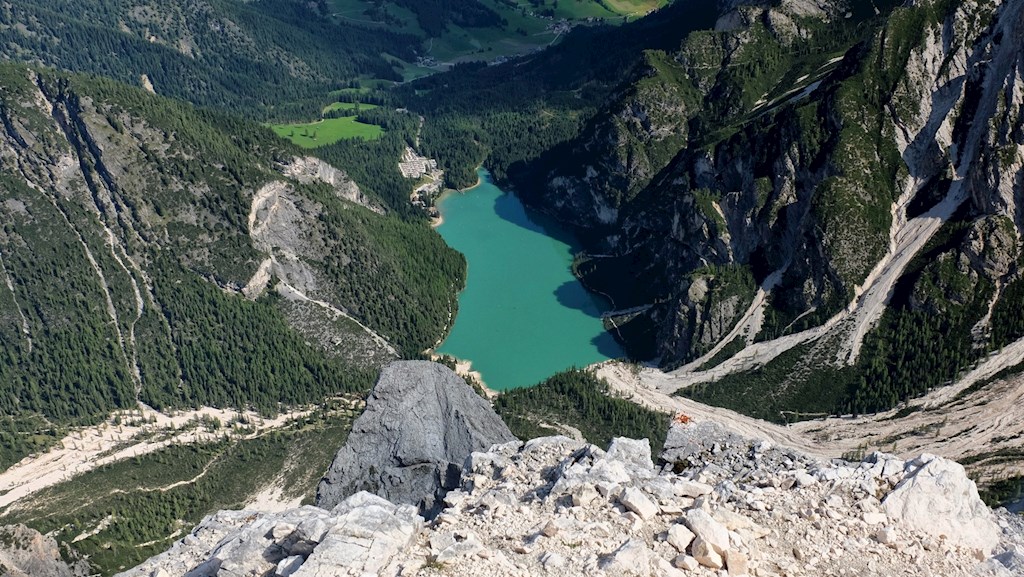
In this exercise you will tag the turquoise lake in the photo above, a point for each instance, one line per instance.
(523, 316)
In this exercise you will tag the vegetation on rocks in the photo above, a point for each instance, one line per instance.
(130, 510)
(579, 399)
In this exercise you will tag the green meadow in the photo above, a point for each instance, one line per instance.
(330, 130)
(348, 106)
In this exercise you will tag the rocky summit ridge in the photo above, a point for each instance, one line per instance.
(717, 504)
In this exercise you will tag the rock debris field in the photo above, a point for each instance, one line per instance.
(718, 505)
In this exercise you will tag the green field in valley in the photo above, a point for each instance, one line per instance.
(330, 130)
(634, 7)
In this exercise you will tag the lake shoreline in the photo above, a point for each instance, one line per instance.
(464, 368)
(438, 220)
(523, 315)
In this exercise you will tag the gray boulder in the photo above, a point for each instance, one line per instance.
(421, 422)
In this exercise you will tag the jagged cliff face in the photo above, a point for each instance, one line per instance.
(809, 154)
(420, 424)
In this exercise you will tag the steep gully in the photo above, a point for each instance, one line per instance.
(67, 115)
(907, 235)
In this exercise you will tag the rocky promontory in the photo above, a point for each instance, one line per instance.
(718, 504)
(421, 422)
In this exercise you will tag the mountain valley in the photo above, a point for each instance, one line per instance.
(805, 213)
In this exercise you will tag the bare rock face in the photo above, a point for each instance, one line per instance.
(937, 498)
(25, 552)
(421, 422)
(310, 169)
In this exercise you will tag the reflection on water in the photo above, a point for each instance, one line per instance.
(523, 315)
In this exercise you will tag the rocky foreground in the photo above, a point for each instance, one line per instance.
(719, 505)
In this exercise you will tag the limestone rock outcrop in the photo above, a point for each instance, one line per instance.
(721, 505)
(421, 422)
(363, 535)
(936, 497)
(25, 552)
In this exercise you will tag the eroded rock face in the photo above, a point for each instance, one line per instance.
(421, 422)
(25, 552)
(310, 169)
(667, 191)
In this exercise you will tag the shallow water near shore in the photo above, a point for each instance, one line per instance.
(523, 316)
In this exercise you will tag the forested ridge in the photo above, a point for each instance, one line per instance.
(511, 113)
(434, 16)
(152, 248)
(271, 58)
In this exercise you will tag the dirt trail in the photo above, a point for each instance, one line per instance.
(267, 205)
(290, 292)
(977, 425)
(146, 431)
(1009, 356)
(636, 387)
(140, 305)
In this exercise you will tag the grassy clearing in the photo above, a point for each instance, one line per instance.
(350, 93)
(352, 107)
(573, 10)
(634, 7)
(327, 131)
